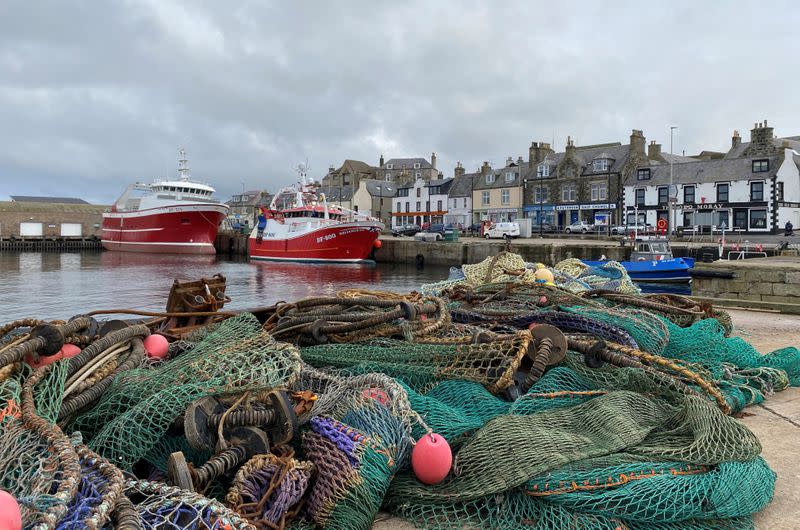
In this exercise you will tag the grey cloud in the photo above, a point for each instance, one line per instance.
(94, 95)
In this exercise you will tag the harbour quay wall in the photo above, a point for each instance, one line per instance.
(456, 253)
(231, 243)
(761, 283)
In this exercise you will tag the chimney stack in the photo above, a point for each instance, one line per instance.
(459, 170)
(761, 141)
(433, 160)
(485, 168)
(519, 161)
(736, 140)
(654, 151)
(638, 142)
(509, 161)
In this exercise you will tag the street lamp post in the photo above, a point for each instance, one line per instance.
(669, 195)
(541, 200)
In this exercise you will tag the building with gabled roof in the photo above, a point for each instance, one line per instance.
(753, 188)
(374, 198)
(408, 170)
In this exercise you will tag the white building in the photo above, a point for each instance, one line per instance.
(459, 197)
(420, 202)
(753, 188)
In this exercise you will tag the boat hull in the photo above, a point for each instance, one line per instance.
(179, 229)
(342, 243)
(669, 270)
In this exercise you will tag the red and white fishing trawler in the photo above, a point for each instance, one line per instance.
(173, 216)
(311, 230)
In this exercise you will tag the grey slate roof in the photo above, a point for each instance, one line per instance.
(777, 142)
(719, 170)
(463, 185)
(380, 188)
(500, 178)
(407, 163)
(52, 200)
(616, 154)
(337, 193)
(443, 184)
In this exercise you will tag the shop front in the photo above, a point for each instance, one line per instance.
(499, 215)
(596, 214)
(544, 212)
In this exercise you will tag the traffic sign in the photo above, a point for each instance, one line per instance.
(661, 224)
(673, 191)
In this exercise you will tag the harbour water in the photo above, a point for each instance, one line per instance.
(60, 285)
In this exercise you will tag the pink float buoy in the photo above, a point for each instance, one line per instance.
(69, 350)
(10, 515)
(66, 351)
(156, 346)
(431, 459)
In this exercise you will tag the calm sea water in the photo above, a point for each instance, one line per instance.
(52, 285)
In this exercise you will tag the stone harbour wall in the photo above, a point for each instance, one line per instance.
(775, 280)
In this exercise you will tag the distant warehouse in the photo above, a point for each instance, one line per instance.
(27, 217)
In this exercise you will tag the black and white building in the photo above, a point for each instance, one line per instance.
(753, 188)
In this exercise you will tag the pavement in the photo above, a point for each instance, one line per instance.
(776, 423)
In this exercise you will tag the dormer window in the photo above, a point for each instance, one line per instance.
(599, 165)
(643, 174)
(489, 178)
(389, 166)
(760, 166)
(510, 176)
(416, 165)
(543, 170)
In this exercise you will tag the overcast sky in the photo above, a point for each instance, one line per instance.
(95, 95)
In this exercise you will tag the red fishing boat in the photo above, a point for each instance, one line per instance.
(308, 229)
(174, 216)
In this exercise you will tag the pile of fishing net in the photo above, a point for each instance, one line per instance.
(567, 400)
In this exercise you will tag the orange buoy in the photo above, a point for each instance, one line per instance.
(66, 351)
(377, 243)
(431, 459)
(156, 346)
(543, 275)
(10, 515)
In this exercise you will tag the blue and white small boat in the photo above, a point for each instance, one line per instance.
(652, 261)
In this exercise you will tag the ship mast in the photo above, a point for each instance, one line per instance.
(183, 167)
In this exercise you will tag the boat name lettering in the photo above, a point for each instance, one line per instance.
(326, 237)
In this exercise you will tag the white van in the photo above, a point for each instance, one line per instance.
(502, 230)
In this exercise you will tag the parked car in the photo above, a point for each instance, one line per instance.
(406, 230)
(580, 227)
(506, 230)
(474, 228)
(436, 228)
(546, 227)
(627, 229)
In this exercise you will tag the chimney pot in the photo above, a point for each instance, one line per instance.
(765, 123)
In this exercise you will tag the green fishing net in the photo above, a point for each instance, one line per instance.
(135, 412)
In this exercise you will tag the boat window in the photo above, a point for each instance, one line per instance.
(660, 248)
(644, 247)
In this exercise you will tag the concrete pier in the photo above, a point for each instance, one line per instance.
(761, 283)
(50, 245)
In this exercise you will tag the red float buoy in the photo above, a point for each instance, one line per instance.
(66, 351)
(69, 350)
(10, 515)
(378, 243)
(156, 346)
(431, 459)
